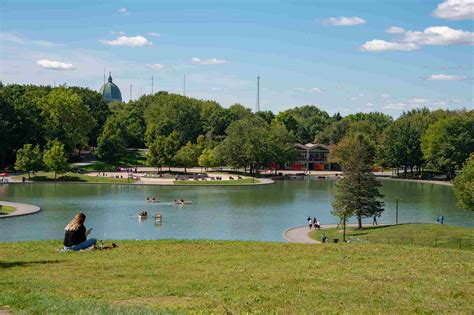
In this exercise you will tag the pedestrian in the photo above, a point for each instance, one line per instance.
(317, 225)
(375, 220)
(310, 222)
(441, 219)
(324, 239)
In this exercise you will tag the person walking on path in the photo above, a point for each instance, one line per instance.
(375, 220)
(310, 222)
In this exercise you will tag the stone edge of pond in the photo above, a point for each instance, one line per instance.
(262, 181)
(21, 209)
(423, 181)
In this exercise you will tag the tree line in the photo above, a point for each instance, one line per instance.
(183, 131)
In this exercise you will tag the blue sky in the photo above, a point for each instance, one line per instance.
(343, 56)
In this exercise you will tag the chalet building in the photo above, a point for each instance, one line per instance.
(312, 157)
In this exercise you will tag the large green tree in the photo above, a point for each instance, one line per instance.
(246, 144)
(163, 150)
(111, 145)
(400, 144)
(464, 185)
(54, 158)
(168, 113)
(187, 156)
(449, 142)
(67, 118)
(97, 108)
(209, 158)
(357, 191)
(29, 159)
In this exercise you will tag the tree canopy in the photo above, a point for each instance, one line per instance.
(464, 185)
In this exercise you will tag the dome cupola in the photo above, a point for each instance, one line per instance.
(110, 92)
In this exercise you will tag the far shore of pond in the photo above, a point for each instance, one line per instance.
(113, 178)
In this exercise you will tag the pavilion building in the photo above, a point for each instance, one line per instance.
(312, 157)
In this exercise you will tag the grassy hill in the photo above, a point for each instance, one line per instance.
(142, 277)
(435, 235)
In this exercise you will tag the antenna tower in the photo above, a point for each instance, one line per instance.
(184, 85)
(258, 94)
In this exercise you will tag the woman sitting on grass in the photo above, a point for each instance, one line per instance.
(76, 234)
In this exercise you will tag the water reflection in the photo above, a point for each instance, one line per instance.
(248, 212)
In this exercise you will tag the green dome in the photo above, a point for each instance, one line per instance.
(110, 92)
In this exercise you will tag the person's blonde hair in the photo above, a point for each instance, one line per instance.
(76, 222)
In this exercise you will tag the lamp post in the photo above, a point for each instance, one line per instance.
(344, 228)
(396, 212)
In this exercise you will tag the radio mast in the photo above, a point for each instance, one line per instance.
(258, 94)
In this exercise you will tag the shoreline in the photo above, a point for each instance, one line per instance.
(300, 234)
(21, 209)
(262, 181)
(424, 181)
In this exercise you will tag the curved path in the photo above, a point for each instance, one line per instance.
(21, 209)
(300, 234)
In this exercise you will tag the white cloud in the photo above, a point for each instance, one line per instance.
(132, 41)
(55, 65)
(394, 30)
(385, 95)
(412, 40)
(418, 100)
(155, 66)
(396, 106)
(445, 77)
(455, 10)
(211, 61)
(9, 37)
(344, 21)
(370, 104)
(378, 45)
(154, 34)
(310, 90)
(439, 35)
(123, 11)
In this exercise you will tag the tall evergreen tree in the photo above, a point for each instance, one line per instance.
(357, 191)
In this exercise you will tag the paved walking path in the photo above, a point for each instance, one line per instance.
(300, 234)
(21, 209)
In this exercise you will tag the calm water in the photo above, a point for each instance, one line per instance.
(228, 213)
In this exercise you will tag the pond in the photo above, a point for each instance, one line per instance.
(259, 213)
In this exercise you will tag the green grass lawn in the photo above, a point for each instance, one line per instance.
(218, 182)
(6, 209)
(142, 277)
(435, 235)
(75, 177)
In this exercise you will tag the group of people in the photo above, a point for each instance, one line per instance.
(313, 223)
(440, 219)
(151, 199)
